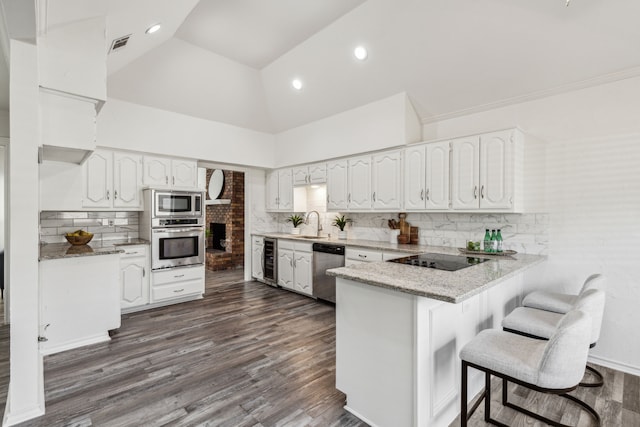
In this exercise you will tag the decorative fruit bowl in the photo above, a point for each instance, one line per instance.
(79, 237)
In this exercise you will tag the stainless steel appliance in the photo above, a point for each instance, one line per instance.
(170, 204)
(440, 261)
(326, 256)
(173, 222)
(270, 262)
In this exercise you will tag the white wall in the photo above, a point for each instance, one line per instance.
(136, 127)
(591, 189)
(4, 123)
(382, 124)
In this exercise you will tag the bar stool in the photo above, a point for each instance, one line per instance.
(559, 302)
(540, 324)
(553, 366)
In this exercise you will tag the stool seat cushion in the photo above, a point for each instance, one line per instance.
(531, 321)
(510, 354)
(550, 301)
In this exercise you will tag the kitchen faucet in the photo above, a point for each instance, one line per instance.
(319, 228)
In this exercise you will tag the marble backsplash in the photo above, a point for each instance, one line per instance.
(525, 233)
(104, 225)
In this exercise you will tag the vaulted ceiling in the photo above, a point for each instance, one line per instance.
(233, 61)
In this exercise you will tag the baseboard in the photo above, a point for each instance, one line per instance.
(10, 419)
(608, 363)
(371, 424)
(70, 345)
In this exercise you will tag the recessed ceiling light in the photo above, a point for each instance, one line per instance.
(360, 53)
(152, 29)
(297, 84)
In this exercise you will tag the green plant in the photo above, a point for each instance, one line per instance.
(296, 220)
(207, 233)
(341, 222)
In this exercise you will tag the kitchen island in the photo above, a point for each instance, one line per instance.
(399, 330)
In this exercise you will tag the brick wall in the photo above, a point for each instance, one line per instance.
(233, 216)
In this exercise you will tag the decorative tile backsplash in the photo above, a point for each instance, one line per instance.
(104, 225)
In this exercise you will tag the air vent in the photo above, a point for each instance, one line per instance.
(119, 43)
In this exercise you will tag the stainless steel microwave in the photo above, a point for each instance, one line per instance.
(171, 204)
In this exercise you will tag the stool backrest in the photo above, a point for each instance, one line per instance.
(565, 355)
(592, 303)
(595, 281)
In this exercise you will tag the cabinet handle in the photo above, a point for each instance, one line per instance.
(178, 276)
(422, 194)
(482, 192)
(362, 256)
(108, 195)
(294, 263)
(131, 253)
(374, 196)
(427, 194)
(166, 179)
(327, 197)
(349, 198)
(173, 180)
(115, 194)
(475, 192)
(144, 271)
(177, 291)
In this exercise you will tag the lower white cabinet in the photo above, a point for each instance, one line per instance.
(295, 266)
(355, 256)
(257, 255)
(177, 283)
(134, 277)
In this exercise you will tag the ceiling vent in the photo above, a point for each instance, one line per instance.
(119, 43)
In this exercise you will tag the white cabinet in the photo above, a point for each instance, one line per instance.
(355, 256)
(486, 171)
(359, 196)
(177, 174)
(177, 284)
(279, 190)
(337, 188)
(311, 174)
(295, 266)
(112, 180)
(426, 177)
(134, 277)
(257, 254)
(387, 179)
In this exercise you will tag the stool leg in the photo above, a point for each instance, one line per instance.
(505, 384)
(463, 396)
(599, 378)
(487, 396)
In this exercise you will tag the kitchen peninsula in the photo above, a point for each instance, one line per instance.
(399, 329)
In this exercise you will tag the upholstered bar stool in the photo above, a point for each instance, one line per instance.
(554, 366)
(541, 324)
(560, 302)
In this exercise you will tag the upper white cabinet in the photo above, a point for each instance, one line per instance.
(279, 195)
(486, 171)
(337, 188)
(387, 180)
(112, 180)
(359, 195)
(311, 174)
(178, 174)
(426, 176)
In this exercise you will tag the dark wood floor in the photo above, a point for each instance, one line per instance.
(246, 355)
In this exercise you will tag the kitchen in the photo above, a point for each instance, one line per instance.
(582, 203)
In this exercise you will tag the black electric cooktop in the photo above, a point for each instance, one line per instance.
(440, 261)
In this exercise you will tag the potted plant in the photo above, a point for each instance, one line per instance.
(341, 222)
(296, 220)
(207, 235)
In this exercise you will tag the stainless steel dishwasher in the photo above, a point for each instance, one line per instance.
(326, 256)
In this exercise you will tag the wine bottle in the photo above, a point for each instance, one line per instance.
(487, 241)
(499, 249)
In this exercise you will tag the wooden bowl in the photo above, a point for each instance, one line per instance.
(79, 240)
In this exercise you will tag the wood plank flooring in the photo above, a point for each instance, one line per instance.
(248, 355)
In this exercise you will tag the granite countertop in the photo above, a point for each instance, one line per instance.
(448, 286)
(372, 244)
(50, 251)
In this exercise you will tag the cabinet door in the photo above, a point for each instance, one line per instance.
(127, 180)
(465, 176)
(387, 179)
(300, 176)
(414, 177)
(337, 191)
(359, 196)
(272, 191)
(318, 173)
(134, 288)
(97, 180)
(184, 174)
(157, 171)
(285, 190)
(496, 170)
(285, 268)
(303, 272)
(437, 176)
(257, 251)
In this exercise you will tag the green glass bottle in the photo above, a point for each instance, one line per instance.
(494, 242)
(487, 240)
(499, 249)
